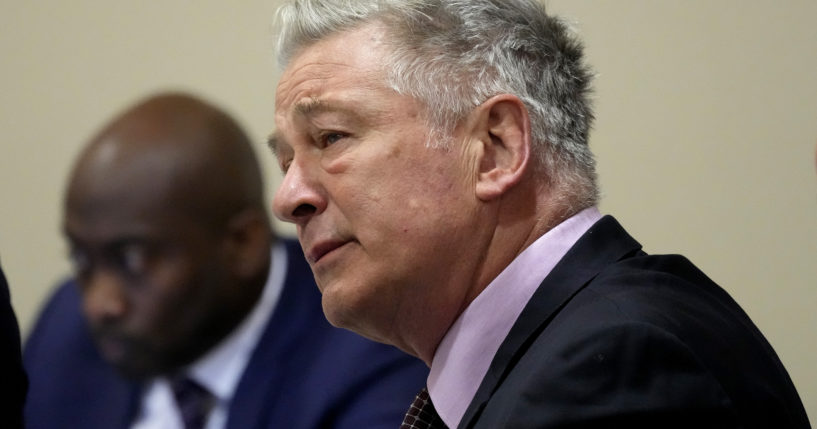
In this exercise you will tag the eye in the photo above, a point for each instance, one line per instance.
(80, 262)
(132, 259)
(284, 165)
(330, 137)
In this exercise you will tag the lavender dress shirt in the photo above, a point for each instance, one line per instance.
(466, 351)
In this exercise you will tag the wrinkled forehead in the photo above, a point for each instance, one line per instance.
(328, 56)
(335, 74)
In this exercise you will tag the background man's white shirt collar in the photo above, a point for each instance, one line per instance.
(221, 368)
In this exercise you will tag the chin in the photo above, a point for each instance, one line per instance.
(352, 315)
(336, 313)
(139, 366)
(134, 371)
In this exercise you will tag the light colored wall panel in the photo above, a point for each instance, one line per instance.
(705, 137)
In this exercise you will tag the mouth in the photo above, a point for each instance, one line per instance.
(323, 248)
(113, 349)
(113, 346)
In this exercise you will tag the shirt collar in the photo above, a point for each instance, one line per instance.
(465, 352)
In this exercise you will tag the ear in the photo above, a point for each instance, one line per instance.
(501, 128)
(249, 239)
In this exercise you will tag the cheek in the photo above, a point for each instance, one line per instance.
(400, 191)
(431, 199)
(154, 313)
(162, 305)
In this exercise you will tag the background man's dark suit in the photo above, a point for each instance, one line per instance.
(303, 374)
(12, 376)
(612, 332)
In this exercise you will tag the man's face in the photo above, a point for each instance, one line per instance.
(153, 281)
(382, 218)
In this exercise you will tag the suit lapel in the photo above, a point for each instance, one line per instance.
(266, 374)
(604, 243)
(134, 402)
(116, 407)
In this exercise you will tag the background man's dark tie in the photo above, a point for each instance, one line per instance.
(422, 415)
(193, 400)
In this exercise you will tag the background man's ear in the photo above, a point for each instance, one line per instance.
(249, 237)
(502, 125)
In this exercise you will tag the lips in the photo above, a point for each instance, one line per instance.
(113, 347)
(319, 250)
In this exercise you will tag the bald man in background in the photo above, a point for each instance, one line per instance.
(185, 311)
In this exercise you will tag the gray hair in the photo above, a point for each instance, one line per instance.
(452, 55)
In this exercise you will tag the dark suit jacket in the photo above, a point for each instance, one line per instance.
(616, 338)
(303, 374)
(12, 377)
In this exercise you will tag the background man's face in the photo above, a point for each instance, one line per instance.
(381, 217)
(152, 278)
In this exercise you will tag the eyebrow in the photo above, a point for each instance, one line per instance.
(272, 143)
(310, 108)
(314, 106)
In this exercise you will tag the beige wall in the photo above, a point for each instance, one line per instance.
(706, 130)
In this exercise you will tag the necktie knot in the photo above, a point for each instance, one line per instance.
(422, 415)
(193, 400)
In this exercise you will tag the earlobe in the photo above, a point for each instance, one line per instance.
(502, 126)
(249, 236)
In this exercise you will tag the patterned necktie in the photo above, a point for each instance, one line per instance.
(422, 415)
(193, 400)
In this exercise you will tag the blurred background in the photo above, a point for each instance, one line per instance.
(705, 134)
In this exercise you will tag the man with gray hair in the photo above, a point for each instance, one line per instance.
(185, 310)
(436, 165)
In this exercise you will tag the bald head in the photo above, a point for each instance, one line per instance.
(176, 146)
(168, 233)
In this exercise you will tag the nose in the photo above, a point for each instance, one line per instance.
(103, 297)
(299, 197)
